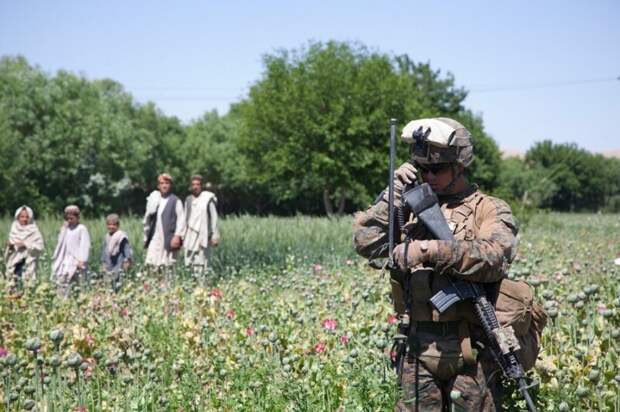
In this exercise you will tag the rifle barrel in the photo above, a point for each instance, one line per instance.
(391, 190)
(526, 395)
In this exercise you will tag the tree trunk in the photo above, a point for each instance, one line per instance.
(342, 202)
(327, 203)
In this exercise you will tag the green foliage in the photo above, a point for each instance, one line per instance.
(66, 139)
(581, 180)
(524, 186)
(311, 137)
(315, 125)
(560, 177)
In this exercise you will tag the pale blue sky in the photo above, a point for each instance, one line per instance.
(191, 56)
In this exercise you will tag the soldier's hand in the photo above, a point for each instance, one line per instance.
(419, 252)
(215, 241)
(404, 175)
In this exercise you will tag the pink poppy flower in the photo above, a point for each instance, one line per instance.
(231, 314)
(320, 348)
(330, 324)
(249, 331)
(344, 339)
(216, 293)
(3, 352)
(90, 341)
(601, 308)
(88, 372)
(392, 319)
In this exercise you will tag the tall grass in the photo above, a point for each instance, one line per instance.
(247, 242)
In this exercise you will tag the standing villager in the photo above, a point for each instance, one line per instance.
(71, 255)
(116, 253)
(164, 225)
(447, 363)
(201, 231)
(23, 248)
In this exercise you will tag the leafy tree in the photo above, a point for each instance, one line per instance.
(211, 150)
(311, 136)
(71, 140)
(314, 127)
(581, 178)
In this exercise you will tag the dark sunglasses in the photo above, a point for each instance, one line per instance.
(433, 168)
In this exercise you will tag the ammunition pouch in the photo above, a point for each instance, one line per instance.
(423, 285)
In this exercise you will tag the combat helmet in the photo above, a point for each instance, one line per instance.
(439, 140)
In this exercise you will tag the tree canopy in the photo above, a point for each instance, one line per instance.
(66, 139)
(315, 126)
(310, 137)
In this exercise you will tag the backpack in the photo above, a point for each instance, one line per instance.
(515, 306)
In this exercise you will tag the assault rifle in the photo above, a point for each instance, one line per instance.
(423, 203)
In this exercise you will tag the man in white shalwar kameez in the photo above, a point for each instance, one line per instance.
(164, 226)
(202, 231)
(71, 255)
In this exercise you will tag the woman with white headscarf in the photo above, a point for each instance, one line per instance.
(24, 246)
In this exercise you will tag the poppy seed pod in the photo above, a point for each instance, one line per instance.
(33, 344)
(56, 335)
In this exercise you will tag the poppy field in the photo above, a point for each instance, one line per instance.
(289, 318)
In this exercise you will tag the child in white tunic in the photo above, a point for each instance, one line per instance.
(71, 254)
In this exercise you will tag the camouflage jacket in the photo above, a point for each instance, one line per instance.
(483, 226)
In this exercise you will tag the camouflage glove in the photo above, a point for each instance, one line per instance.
(419, 252)
(404, 175)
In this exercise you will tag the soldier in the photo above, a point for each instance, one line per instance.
(201, 231)
(447, 365)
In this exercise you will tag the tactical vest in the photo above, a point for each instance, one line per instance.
(425, 283)
(514, 300)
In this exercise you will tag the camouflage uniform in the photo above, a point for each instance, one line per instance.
(448, 352)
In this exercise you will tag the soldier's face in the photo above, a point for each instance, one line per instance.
(195, 187)
(164, 186)
(438, 178)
